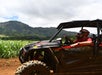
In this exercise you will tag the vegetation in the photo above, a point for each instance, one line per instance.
(10, 48)
(19, 31)
(13, 31)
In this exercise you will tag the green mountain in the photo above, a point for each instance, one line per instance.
(20, 30)
(14, 28)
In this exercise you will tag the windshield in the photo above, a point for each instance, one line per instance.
(71, 32)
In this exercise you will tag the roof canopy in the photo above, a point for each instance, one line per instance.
(81, 23)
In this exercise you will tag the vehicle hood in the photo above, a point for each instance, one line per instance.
(42, 44)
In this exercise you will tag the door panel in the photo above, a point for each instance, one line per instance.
(78, 59)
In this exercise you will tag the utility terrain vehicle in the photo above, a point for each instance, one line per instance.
(55, 57)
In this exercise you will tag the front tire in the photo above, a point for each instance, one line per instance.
(33, 68)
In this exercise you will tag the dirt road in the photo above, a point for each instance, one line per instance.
(8, 66)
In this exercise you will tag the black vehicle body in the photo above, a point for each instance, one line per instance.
(79, 60)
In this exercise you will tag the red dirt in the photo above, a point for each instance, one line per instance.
(8, 66)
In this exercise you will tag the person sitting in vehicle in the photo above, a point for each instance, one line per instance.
(82, 38)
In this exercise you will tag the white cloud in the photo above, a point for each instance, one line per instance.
(49, 13)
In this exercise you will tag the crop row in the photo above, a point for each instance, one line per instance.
(11, 48)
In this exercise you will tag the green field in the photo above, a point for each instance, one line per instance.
(10, 48)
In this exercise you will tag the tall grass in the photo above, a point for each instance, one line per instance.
(10, 48)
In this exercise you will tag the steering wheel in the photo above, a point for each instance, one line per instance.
(66, 40)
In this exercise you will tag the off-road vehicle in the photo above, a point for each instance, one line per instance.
(54, 56)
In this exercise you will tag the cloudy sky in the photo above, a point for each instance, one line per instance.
(49, 13)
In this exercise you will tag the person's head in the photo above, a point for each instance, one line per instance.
(83, 33)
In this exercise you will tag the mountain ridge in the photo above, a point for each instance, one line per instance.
(19, 29)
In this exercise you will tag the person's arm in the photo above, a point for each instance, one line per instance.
(85, 42)
(88, 42)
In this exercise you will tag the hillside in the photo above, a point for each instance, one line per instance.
(18, 29)
(15, 28)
